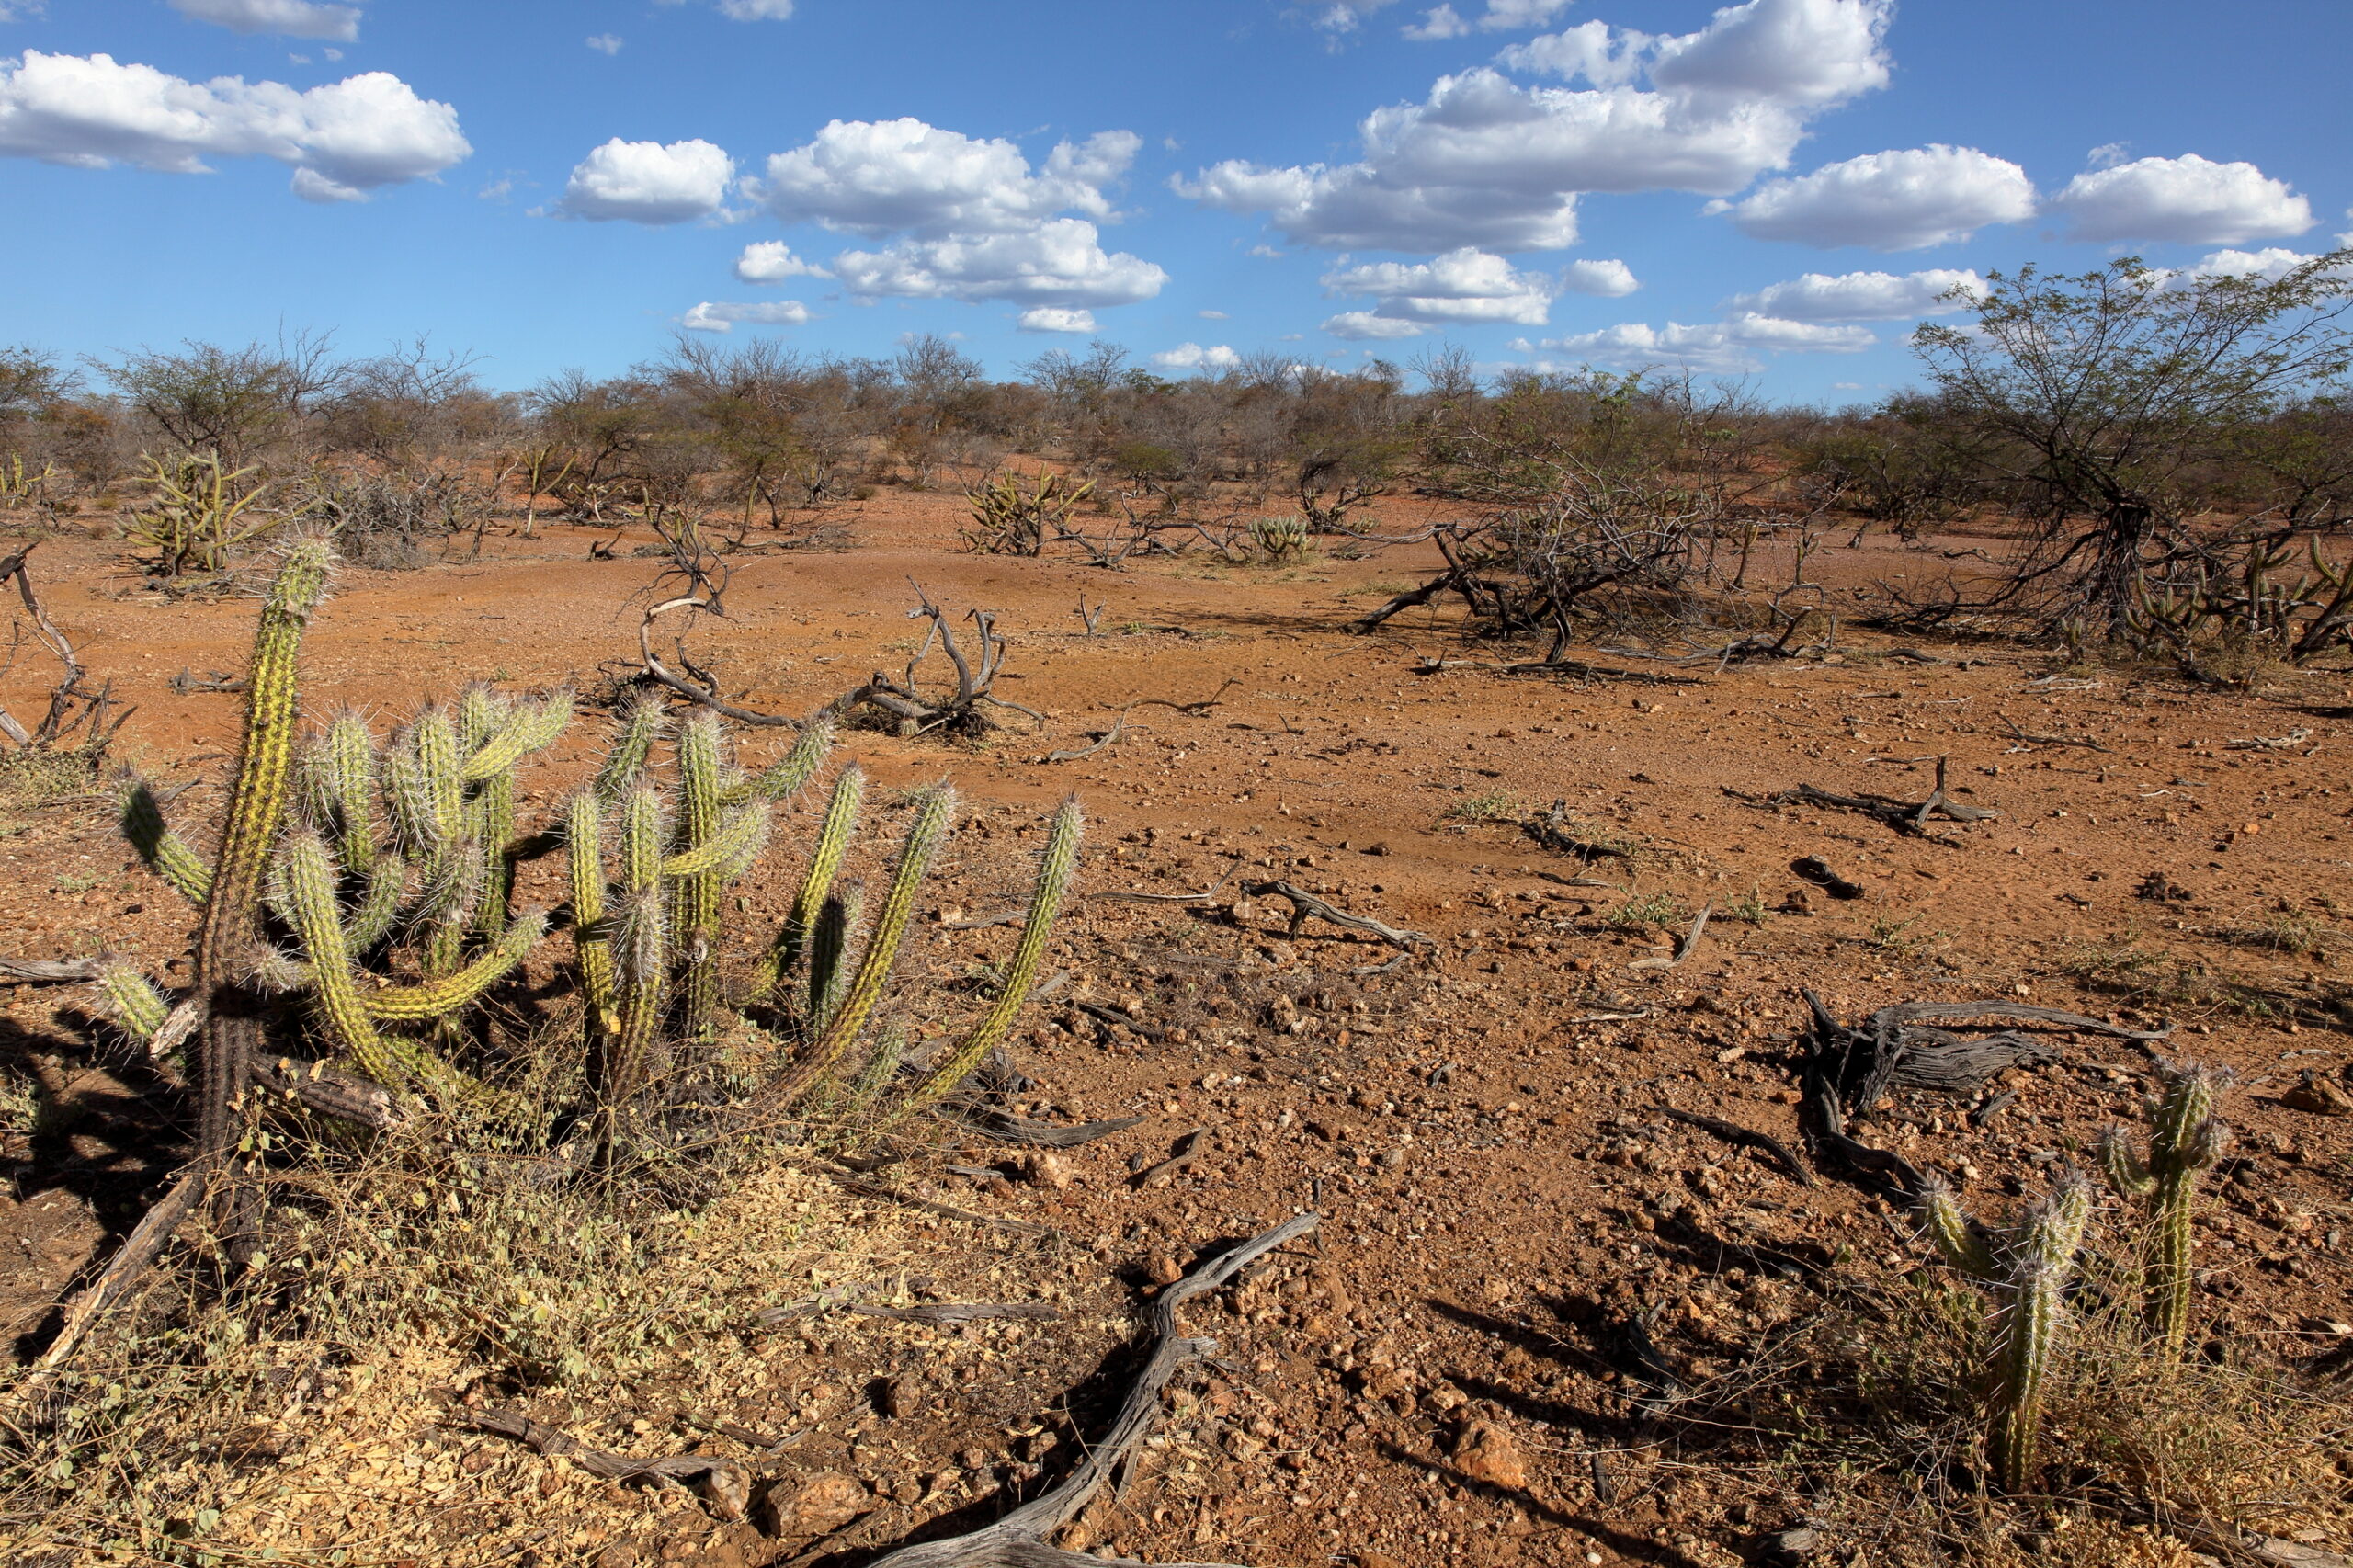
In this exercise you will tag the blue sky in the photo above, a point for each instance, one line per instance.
(1776, 189)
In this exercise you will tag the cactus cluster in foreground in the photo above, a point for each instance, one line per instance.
(362, 896)
(2184, 1138)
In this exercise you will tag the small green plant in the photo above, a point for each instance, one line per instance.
(197, 514)
(2184, 1138)
(2024, 1270)
(1496, 805)
(1750, 907)
(1645, 913)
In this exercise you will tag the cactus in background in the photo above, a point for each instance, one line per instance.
(2184, 1138)
(1057, 869)
(2025, 1270)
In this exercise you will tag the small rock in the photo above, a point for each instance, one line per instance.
(728, 1489)
(1162, 1269)
(813, 1504)
(1484, 1453)
(622, 1556)
(1784, 1549)
(898, 1398)
(2318, 1094)
(1376, 1560)
(1041, 1169)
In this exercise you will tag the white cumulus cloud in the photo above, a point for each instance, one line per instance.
(1500, 16)
(604, 43)
(1896, 201)
(772, 261)
(344, 140)
(1462, 286)
(2189, 198)
(648, 182)
(874, 177)
(1056, 318)
(1734, 345)
(1611, 279)
(1861, 296)
(1484, 161)
(1193, 356)
(756, 10)
(288, 19)
(1059, 262)
(719, 315)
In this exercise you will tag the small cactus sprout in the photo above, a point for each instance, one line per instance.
(2184, 1138)
(2025, 1270)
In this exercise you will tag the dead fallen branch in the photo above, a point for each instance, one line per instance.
(1682, 949)
(1019, 1539)
(958, 1312)
(329, 1092)
(1905, 816)
(1104, 739)
(1747, 1138)
(1304, 905)
(53, 971)
(916, 715)
(1899, 1048)
(724, 1483)
(1553, 831)
(1196, 709)
(654, 670)
(1008, 1128)
(139, 1249)
(947, 1210)
(1204, 896)
(2021, 739)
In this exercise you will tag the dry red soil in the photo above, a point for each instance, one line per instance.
(1481, 1124)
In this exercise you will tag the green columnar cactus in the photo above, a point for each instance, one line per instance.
(792, 775)
(934, 811)
(2184, 1138)
(641, 948)
(777, 971)
(695, 898)
(875, 1078)
(132, 1002)
(829, 953)
(584, 845)
(165, 852)
(1057, 869)
(340, 772)
(257, 811)
(642, 723)
(2025, 1270)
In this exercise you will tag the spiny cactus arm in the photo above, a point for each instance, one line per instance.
(640, 840)
(441, 997)
(741, 836)
(165, 852)
(640, 725)
(2186, 1103)
(482, 709)
(829, 953)
(491, 825)
(2031, 1319)
(380, 905)
(933, 813)
(584, 847)
(2122, 1165)
(130, 1002)
(825, 864)
(412, 803)
(334, 994)
(1956, 1238)
(696, 896)
(792, 774)
(643, 951)
(345, 769)
(881, 1066)
(1057, 870)
(528, 729)
(436, 750)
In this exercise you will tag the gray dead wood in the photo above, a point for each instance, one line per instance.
(131, 1260)
(330, 1092)
(1109, 737)
(930, 1206)
(957, 1312)
(1304, 905)
(2011, 732)
(1691, 939)
(1008, 1128)
(1746, 1137)
(1018, 1540)
(724, 1483)
(1910, 818)
(1899, 1047)
(1552, 831)
(54, 972)
(654, 670)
